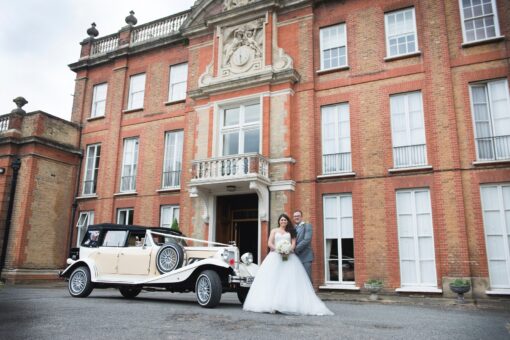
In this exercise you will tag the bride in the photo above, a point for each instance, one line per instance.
(283, 285)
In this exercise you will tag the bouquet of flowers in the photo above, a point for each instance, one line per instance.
(283, 248)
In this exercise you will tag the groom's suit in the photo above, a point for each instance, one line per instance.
(304, 247)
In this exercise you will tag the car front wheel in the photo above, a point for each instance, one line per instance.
(208, 289)
(130, 292)
(80, 284)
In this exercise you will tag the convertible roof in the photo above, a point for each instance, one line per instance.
(113, 226)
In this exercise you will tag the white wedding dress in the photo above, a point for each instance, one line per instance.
(283, 286)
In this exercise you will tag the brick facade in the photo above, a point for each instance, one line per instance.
(39, 232)
(291, 100)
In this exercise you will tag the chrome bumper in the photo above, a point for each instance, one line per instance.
(244, 281)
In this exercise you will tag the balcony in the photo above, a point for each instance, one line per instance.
(493, 148)
(336, 163)
(240, 169)
(4, 123)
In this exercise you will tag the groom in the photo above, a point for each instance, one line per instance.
(303, 241)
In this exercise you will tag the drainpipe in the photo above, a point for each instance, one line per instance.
(75, 201)
(16, 164)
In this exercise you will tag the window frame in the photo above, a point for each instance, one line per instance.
(130, 213)
(408, 130)
(322, 44)
(96, 101)
(82, 227)
(171, 84)
(387, 37)
(415, 238)
(504, 228)
(132, 93)
(340, 216)
(133, 166)
(497, 33)
(176, 165)
(173, 208)
(95, 171)
(241, 127)
(338, 137)
(489, 112)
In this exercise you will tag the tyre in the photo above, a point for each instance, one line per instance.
(130, 292)
(208, 289)
(80, 284)
(169, 257)
(242, 293)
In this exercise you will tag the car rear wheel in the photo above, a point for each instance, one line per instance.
(208, 289)
(242, 293)
(169, 257)
(130, 292)
(80, 284)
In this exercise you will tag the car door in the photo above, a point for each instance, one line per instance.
(108, 253)
(134, 260)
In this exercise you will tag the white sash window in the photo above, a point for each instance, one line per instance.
(85, 219)
(416, 239)
(408, 130)
(479, 19)
(333, 40)
(401, 37)
(178, 82)
(338, 239)
(173, 159)
(336, 139)
(169, 216)
(125, 216)
(136, 91)
(240, 129)
(91, 169)
(491, 116)
(129, 165)
(496, 220)
(99, 100)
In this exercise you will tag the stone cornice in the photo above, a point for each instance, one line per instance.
(268, 77)
(128, 50)
(42, 141)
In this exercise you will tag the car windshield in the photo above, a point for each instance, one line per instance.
(160, 240)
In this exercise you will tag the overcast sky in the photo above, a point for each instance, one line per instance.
(39, 38)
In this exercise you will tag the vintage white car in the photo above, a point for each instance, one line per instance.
(132, 258)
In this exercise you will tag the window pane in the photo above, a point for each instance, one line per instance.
(231, 117)
(231, 144)
(251, 141)
(252, 113)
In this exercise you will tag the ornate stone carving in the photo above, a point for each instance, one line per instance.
(229, 4)
(207, 76)
(242, 47)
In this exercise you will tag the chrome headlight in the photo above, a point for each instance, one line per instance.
(247, 258)
(225, 255)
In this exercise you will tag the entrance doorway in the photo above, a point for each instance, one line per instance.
(237, 220)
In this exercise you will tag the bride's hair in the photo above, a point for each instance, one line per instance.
(290, 227)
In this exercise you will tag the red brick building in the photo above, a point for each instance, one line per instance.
(39, 163)
(386, 122)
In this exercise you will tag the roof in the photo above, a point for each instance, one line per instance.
(129, 227)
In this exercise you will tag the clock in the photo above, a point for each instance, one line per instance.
(242, 55)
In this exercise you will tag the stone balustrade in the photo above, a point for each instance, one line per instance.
(105, 44)
(159, 28)
(230, 167)
(146, 32)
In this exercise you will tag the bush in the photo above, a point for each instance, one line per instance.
(175, 225)
(460, 283)
(374, 282)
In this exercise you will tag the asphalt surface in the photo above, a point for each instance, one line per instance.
(49, 312)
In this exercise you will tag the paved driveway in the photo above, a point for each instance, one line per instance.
(30, 312)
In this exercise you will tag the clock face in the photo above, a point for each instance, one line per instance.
(241, 56)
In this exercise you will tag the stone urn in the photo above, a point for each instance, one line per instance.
(460, 287)
(373, 287)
